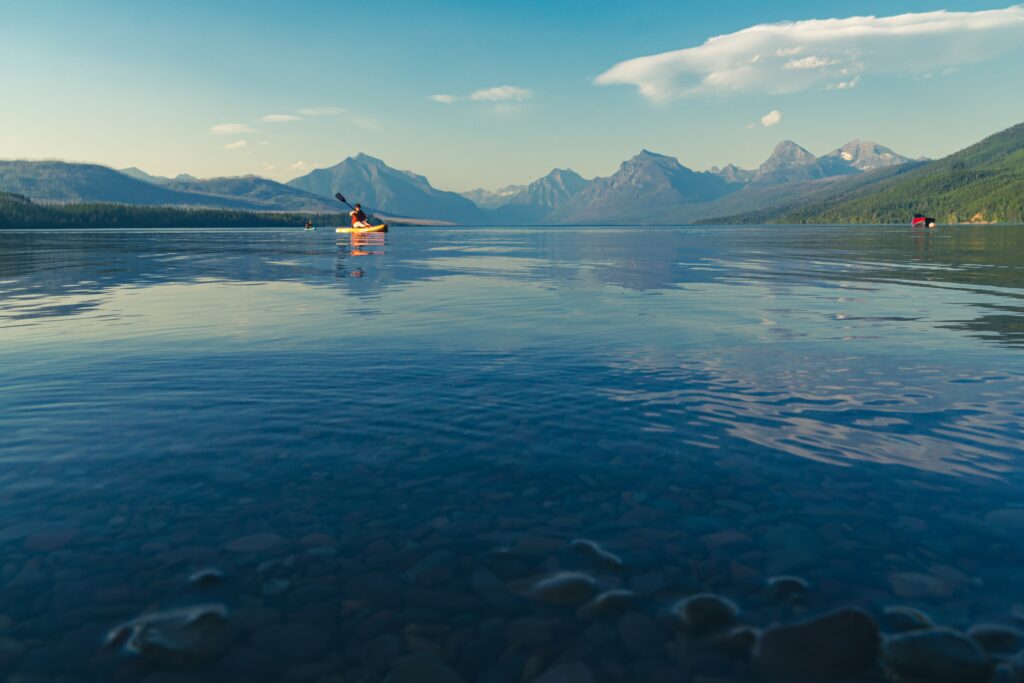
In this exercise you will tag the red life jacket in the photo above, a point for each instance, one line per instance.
(358, 216)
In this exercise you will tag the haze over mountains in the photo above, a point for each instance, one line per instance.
(649, 188)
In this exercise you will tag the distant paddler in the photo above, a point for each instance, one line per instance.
(309, 225)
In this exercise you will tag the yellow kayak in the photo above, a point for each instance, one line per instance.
(383, 227)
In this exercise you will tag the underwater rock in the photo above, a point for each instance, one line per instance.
(916, 585)
(569, 672)
(421, 668)
(738, 642)
(608, 604)
(641, 636)
(598, 556)
(900, 619)
(256, 543)
(530, 630)
(563, 588)
(206, 578)
(830, 647)
(434, 569)
(939, 655)
(704, 614)
(997, 639)
(10, 652)
(787, 588)
(175, 638)
(292, 641)
(275, 587)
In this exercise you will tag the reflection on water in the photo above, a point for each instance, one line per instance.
(361, 455)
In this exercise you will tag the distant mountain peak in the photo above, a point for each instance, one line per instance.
(732, 173)
(866, 155)
(789, 152)
(388, 191)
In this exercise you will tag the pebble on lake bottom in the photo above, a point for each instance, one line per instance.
(830, 647)
(563, 588)
(939, 655)
(704, 614)
(178, 638)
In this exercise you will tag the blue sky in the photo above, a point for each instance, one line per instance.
(188, 86)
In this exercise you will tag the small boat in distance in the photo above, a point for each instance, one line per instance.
(309, 226)
(920, 220)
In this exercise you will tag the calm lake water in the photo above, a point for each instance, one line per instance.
(299, 457)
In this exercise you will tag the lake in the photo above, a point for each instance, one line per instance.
(278, 455)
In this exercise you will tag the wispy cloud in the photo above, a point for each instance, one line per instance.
(844, 85)
(236, 145)
(443, 99)
(501, 93)
(304, 165)
(321, 111)
(231, 129)
(771, 118)
(279, 118)
(762, 58)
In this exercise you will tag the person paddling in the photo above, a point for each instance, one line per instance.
(309, 224)
(358, 217)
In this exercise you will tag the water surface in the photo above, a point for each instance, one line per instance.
(380, 444)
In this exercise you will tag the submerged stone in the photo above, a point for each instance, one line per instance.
(608, 604)
(436, 568)
(205, 578)
(830, 647)
(997, 639)
(569, 672)
(563, 588)
(274, 587)
(256, 543)
(787, 588)
(175, 638)
(421, 668)
(598, 556)
(938, 655)
(738, 642)
(704, 613)
(900, 619)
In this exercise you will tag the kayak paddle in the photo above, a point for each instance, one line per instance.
(341, 198)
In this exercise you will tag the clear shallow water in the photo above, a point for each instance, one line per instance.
(381, 444)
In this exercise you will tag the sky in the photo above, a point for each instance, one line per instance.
(484, 94)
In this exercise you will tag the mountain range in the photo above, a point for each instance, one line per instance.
(852, 181)
(980, 184)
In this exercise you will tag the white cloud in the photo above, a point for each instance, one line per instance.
(844, 85)
(321, 111)
(230, 129)
(236, 145)
(304, 165)
(755, 59)
(279, 118)
(443, 99)
(811, 62)
(771, 118)
(501, 93)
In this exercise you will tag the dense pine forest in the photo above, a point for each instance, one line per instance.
(17, 211)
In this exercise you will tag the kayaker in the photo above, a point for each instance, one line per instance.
(358, 217)
(309, 225)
